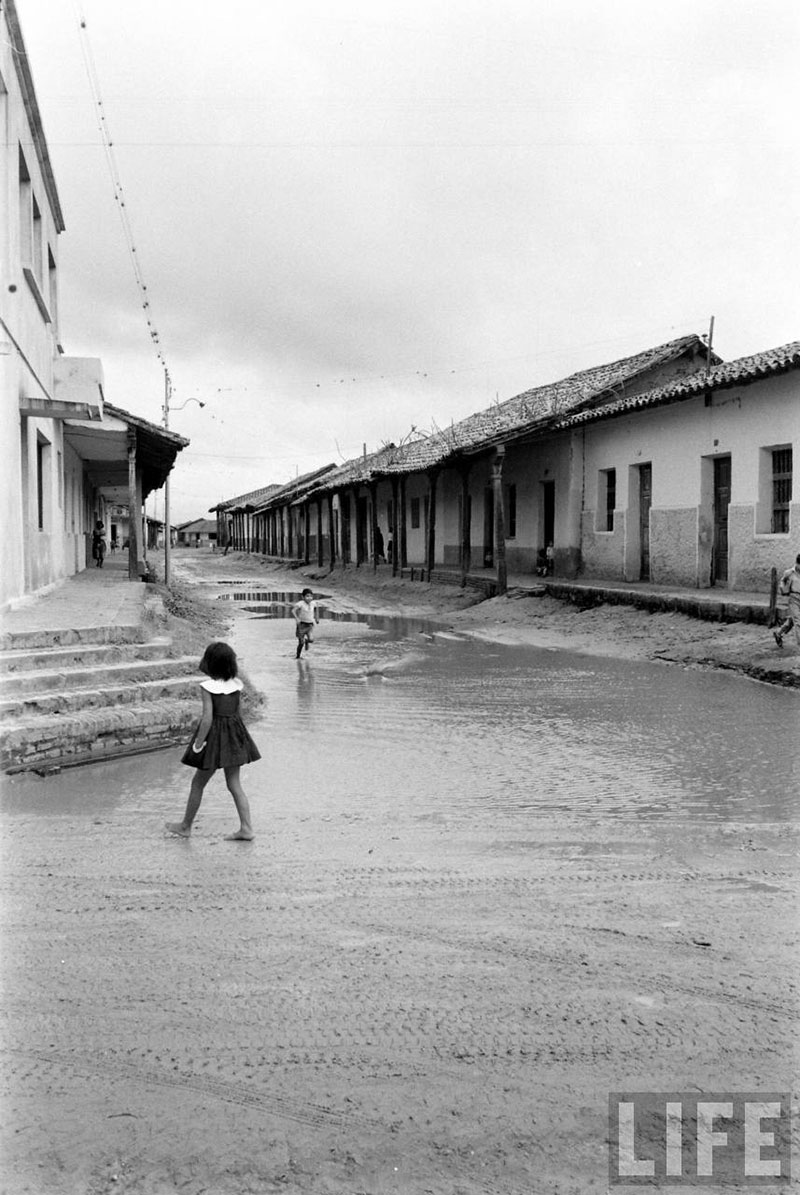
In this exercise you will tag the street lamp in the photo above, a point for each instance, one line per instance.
(166, 410)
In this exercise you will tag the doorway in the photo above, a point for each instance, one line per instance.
(488, 527)
(722, 499)
(548, 513)
(645, 502)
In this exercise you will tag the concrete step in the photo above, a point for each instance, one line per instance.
(72, 700)
(48, 743)
(80, 655)
(66, 637)
(73, 678)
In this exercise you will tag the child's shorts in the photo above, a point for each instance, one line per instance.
(304, 629)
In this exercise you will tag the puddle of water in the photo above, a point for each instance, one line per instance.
(471, 730)
(409, 726)
(278, 604)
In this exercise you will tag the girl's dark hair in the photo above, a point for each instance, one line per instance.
(219, 661)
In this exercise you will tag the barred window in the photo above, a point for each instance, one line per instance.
(781, 489)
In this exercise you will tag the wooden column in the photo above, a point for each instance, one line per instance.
(499, 520)
(331, 536)
(466, 525)
(395, 524)
(306, 532)
(133, 513)
(402, 525)
(359, 536)
(373, 501)
(430, 554)
(320, 553)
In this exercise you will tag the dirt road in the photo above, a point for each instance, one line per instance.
(375, 996)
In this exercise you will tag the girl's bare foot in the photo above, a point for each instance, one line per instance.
(240, 836)
(178, 828)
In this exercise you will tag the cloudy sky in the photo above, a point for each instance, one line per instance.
(358, 216)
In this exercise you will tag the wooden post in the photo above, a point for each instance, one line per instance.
(395, 528)
(331, 536)
(373, 502)
(306, 532)
(430, 554)
(359, 536)
(402, 525)
(773, 598)
(466, 525)
(133, 514)
(500, 520)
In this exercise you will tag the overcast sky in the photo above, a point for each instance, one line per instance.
(355, 216)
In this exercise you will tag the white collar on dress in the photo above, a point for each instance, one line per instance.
(221, 686)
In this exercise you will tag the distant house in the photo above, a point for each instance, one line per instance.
(668, 466)
(67, 456)
(200, 533)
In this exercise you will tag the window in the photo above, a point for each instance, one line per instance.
(42, 479)
(606, 499)
(52, 289)
(511, 512)
(25, 211)
(36, 260)
(415, 512)
(781, 489)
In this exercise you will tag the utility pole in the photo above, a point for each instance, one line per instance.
(167, 544)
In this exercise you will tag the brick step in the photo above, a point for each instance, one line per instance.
(33, 705)
(80, 655)
(64, 637)
(45, 681)
(49, 743)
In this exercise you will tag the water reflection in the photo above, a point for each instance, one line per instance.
(456, 725)
(395, 721)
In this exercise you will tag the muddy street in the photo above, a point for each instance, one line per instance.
(490, 884)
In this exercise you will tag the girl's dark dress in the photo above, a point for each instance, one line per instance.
(228, 743)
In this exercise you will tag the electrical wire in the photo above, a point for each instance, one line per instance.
(119, 193)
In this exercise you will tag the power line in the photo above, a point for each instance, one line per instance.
(119, 194)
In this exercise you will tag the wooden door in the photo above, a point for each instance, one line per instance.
(722, 498)
(645, 502)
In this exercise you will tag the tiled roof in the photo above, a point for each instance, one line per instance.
(154, 429)
(243, 500)
(539, 407)
(741, 372)
(294, 488)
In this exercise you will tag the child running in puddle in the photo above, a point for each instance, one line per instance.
(305, 615)
(220, 741)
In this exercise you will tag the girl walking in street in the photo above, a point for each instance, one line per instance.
(220, 741)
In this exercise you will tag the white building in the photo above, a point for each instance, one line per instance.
(58, 448)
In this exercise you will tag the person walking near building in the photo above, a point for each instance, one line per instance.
(99, 543)
(790, 588)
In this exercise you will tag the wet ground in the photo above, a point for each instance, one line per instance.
(490, 885)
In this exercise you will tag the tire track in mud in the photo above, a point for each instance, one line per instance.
(302, 1111)
(562, 959)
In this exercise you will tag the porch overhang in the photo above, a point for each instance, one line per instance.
(77, 392)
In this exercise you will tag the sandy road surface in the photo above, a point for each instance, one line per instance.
(374, 996)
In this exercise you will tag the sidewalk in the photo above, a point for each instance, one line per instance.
(99, 605)
(716, 604)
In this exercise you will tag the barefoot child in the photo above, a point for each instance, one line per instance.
(220, 741)
(305, 615)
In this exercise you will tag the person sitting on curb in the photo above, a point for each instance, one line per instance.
(790, 587)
